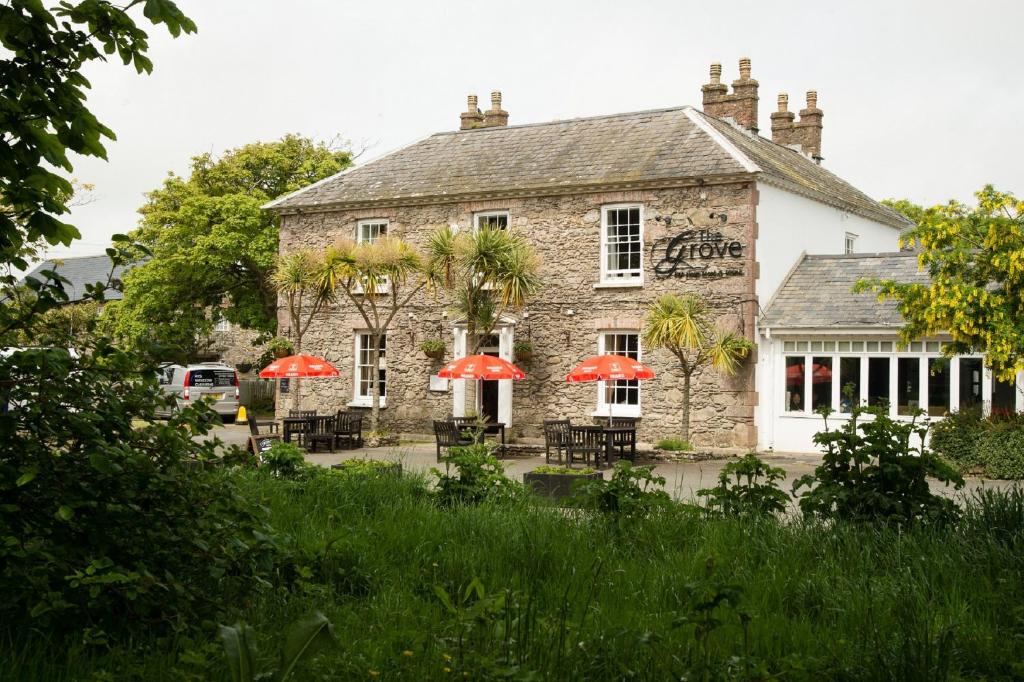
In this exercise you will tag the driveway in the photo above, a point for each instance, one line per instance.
(682, 479)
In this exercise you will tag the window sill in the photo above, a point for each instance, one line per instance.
(619, 411)
(367, 403)
(625, 284)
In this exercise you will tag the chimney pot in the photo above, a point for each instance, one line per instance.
(783, 102)
(745, 69)
(812, 99)
(471, 118)
(495, 116)
(496, 100)
(472, 106)
(716, 73)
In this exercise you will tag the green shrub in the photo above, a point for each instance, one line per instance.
(957, 438)
(567, 471)
(358, 467)
(631, 492)
(747, 486)
(870, 472)
(674, 445)
(432, 347)
(285, 460)
(473, 475)
(1001, 449)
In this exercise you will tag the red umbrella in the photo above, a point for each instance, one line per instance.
(609, 368)
(486, 367)
(295, 366)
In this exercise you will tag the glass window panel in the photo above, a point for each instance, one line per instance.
(371, 230)
(622, 392)
(364, 367)
(849, 383)
(856, 346)
(795, 385)
(969, 388)
(938, 387)
(908, 385)
(916, 347)
(885, 346)
(801, 345)
(828, 345)
(789, 345)
(623, 247)
(878, 382)
(815, 345)
(821, 383)
(932, 346)
(844, 346)
(1004, 397)
(871, 346)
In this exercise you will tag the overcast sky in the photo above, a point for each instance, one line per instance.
(921, 99)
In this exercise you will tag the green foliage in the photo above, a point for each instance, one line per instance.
(871, 472)
(104, 525)
(976, 275)
(433, 347)
(473, 475)
(305, 638)
(46, 48)
(957, 438)
(747, 486)
(907, 208)
(991, 446)
(363, 467)
(564, 470)
(683, 325)
(1002, 451)
(674, 445)
(285, 460)
(522, 350)
(632, 492)
(211, 242)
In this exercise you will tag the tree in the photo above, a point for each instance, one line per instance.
(906, 208)
(211, 242)
(682, 325)
(43, 112)
(974, 257)
(379, 278)
(487, 272)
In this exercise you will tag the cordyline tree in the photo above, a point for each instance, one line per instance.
(487, 273)
(378, 278)
(211, 243)
(683, 326)
(974, 257)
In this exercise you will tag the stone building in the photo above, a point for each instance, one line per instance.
(621, 208)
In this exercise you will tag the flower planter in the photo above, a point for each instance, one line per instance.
(556, 486)
(281, 353)
(524, 355)
(244, 367)
(434, 354)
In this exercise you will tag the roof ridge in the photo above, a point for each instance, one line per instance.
(560, 121)
(855, 256)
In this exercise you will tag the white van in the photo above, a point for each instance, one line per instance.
(212, 381)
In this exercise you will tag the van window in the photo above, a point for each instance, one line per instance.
(208, 378)
(165, 375)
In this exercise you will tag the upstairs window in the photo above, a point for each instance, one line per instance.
(622, 243)
(370, 231)
(221, 325)
(491, 220)
(850, 243)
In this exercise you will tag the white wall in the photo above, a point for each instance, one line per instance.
(788, 224)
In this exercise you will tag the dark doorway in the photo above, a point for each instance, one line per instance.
(489, 389)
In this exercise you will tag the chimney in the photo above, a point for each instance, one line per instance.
(495, 116)
(805, 133)
(741, 105)
(472, 118)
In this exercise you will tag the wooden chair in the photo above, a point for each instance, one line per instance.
(301, 433)
(447, 435)
(585, 442)
(348, 427)
(556, 435)
(321, 433)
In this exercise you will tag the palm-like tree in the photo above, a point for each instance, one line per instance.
(488, 273)
(682, 325)
(379, 278)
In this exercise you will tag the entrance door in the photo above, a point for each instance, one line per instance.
(487, 391)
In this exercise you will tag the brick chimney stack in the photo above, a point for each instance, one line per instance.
(495, 116)
(741, 105)
(805, 133)
(472, 118)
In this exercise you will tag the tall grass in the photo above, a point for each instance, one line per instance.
(566, 597)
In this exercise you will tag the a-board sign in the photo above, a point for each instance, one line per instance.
(259, 445)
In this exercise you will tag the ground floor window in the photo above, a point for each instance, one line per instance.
(849, 383)
(969, 386)
(795, 384)
(821, 383)
(1004, 397)
(622, 396)
(878, 382)
(364, 368)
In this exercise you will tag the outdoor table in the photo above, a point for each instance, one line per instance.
(621, 436)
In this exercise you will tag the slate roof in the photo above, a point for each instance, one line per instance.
(819, 294)
(80, 270)
(641, 147)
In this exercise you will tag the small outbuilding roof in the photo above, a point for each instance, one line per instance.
(80, 270)
(818, 294)
(619, 151)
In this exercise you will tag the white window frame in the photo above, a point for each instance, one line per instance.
(850, 243)
(365, 222)
(221, 324)
(618, 410)
(491, 214)
(616, 277)
(359, 400)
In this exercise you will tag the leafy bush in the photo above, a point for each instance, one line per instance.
(747, 486)
(477, 477)
(432, 347)
(357, 467)
(1002, 452)
(631, 492)
(105, 524)
(305, 638)
(674, 445)
(564, 470)
(870, 472)
(285, 460)
(957, 438)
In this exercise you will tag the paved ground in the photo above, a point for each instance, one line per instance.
(682, 479)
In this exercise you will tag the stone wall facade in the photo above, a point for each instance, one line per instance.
(234, 347)
(563, 321)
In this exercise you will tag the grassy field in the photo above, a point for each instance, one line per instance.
(521, 591)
